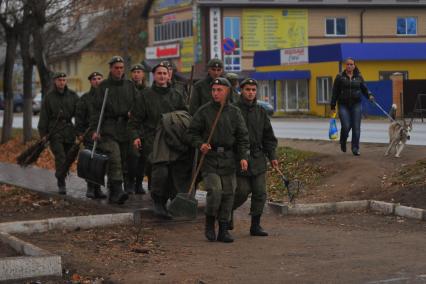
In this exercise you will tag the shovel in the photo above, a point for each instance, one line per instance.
(185, 205)
(293, 187)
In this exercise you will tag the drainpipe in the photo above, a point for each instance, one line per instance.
(362, 25)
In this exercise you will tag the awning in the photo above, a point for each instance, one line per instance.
(282, 75)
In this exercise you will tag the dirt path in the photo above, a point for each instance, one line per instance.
(363, 177)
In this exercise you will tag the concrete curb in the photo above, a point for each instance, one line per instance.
(36, 262)
(348, 206)
(84, 222)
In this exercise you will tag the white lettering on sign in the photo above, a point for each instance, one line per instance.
(215, 33)
(294, 56)
(162, 51)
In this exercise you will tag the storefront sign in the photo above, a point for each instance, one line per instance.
(294, 56)
(165, 5)
(215, 33)
(266, 29)
(162, 51)
(168, 18)
(187, 54)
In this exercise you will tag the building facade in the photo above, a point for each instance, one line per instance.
(234, 30)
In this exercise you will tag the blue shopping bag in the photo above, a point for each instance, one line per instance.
(333, 132)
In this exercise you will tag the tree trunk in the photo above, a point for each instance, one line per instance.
(27, 83)
(44, 72)
(12, 42)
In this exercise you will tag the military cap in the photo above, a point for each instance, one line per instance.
(59, 75)
(231, 76)
(94, 74)
(137, 67)
(248, 81)
(215, 62)
(116, 59)
(221, 81)
(161, 64)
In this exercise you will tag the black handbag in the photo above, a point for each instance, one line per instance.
(94, 168)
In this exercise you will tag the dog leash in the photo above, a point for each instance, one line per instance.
(387, 114)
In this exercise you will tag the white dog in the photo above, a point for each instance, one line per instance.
(399, 133)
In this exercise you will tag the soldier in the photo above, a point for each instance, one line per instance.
(82, 122)
(113, 137)
(56, 113)
(179, 86)
(262, 145)
(202, 89)
(235, 93)
(218, 170)
(159, 99)
(136, 157)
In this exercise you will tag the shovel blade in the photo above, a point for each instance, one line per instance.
(183, 206)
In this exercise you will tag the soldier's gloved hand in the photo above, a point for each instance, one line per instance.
(274, 164)
(137, 143)
(371, 98)
(205, 148)
(244, 165)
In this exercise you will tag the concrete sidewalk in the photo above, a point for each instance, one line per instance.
(44, 181)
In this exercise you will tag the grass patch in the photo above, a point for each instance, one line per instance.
(296, 165)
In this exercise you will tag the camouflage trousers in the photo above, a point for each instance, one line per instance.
(256, 185)
(220, 195)
(117, 153)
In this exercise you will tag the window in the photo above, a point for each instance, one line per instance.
(335, 26)
(385, 75)
(231, 30)
(323, 90)
(406, 26)
(173, 30)
(295, 95)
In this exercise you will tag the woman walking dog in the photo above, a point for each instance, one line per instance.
(348, 88)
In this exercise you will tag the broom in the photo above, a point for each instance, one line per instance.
(184, 204)
(71, 157)
(32, 153)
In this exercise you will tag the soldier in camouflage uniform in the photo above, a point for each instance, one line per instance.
(160, 98)
(235, 93)
(113, 137)
(57, 110)
(201, 93)
(136, 157)
(219, 167)
(82, 122)
(262, 147)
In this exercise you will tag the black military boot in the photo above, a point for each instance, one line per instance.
(129, 186)
(256, 229)
(160, 208)
(98, 192)
(116, 193)
(139, 187)
(231, 222)
(223, 235)
(209, 230)
(90, 193)
(61, 186)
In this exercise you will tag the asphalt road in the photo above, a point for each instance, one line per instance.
(373, 131)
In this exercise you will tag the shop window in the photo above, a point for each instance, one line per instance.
(406, 26)
(173, 31)
(295, 95)
(385, 75)
(335, 26)
(232, 30)
(324, 90)
(265, 91)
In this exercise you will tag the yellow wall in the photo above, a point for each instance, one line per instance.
(369, 69)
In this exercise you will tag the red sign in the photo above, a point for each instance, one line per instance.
(162, 51)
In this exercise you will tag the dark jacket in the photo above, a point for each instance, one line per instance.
(147, 110)
(121, 98)
(263, 142)
(58, 108)
(83, 110)
(201, 94)
(348, 91)
(230, 135)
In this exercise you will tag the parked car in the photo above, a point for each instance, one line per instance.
(37, 104)
(18, 102)
(267, 106)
